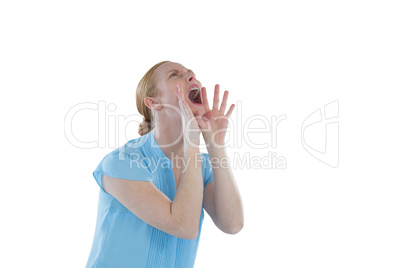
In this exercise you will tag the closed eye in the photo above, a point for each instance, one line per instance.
(173, 74)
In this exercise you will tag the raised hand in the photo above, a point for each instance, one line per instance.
(191, 130)
(213, 123)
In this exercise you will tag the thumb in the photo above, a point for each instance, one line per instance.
(208, 115)
(198, 117)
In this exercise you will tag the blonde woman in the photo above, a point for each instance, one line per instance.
(154, 189)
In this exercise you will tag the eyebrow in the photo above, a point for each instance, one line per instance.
(175, 70)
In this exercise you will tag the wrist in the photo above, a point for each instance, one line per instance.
(191, 148)
(191, 141)
(191, 145)
(217, 150)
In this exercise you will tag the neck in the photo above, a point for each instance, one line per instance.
(168, 135)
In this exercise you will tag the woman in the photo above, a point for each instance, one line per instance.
(154, 188)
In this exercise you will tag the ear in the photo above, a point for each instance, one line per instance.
(152, 103)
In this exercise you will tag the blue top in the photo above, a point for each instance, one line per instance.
(121, 238)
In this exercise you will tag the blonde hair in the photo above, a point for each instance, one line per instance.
(146, 88)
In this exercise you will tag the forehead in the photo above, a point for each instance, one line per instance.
(167, 67)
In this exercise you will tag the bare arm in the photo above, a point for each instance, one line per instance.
(221, 197)
(187, 204)
(180, 217)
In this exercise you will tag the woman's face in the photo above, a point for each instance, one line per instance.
(168, 76)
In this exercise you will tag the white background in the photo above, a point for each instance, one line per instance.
(275, 58)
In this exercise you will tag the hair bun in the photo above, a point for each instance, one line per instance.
(144, 127)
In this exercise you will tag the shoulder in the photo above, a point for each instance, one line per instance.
(127, 158)
(131, 150)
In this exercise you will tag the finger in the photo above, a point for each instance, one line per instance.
(208, 115)
(230, 110)
(216, 98)
(200, 121)
(198, 116)
(224, 101)
(179, 93)
(205, 99)
(203, 123)
(186, 110)
(180, 97)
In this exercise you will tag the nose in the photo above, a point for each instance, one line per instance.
(191, 77)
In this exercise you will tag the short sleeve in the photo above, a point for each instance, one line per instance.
(209, 175)
(120, 165)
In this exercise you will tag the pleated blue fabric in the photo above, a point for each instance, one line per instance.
(121, 238)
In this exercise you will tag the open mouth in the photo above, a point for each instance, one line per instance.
(194, 94)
